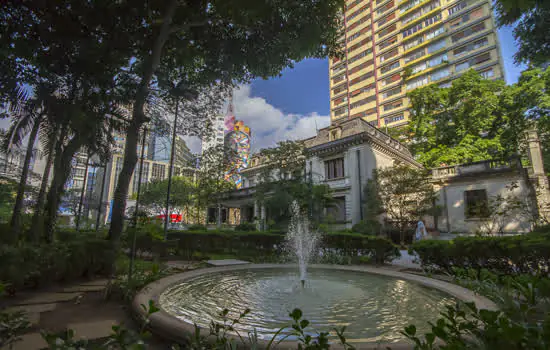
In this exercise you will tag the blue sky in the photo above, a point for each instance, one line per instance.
(305, 88)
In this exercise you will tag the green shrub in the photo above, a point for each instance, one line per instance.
(247, 226)
(368, 227)
(528, 254)
(29, 265)
(197, 228)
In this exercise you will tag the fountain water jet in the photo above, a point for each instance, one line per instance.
(301, 241)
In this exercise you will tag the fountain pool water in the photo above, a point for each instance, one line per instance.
(373, 307)
(302, 242)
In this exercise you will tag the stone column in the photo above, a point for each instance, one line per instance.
(538, 178)
(262, 218)
(257, 215)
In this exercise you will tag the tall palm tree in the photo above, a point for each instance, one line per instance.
(28, 114)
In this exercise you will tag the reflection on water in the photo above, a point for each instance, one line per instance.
(374, 308)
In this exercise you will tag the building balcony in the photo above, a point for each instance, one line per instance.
(476, 168)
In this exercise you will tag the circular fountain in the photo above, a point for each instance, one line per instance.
(374, 304)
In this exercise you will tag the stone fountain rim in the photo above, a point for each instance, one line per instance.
(172, 328)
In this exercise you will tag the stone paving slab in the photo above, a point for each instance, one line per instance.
(34, 308)
(84, 288)
(227, 262)
(99, 282)
(46, 298)
(93, 330)
(31, 341)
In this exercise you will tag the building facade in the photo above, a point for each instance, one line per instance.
(395, 46)
(344, 155)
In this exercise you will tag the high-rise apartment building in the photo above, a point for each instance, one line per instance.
(395, 46)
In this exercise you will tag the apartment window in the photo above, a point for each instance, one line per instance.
(393, 105)
(357, 13)
(409, 5)
(361, 78)
(78, 183)
(385, 8)
(436, 46)
(360, 67)
(394, 119)
(339, 89)
(143, 175)
(359, 44)
(363, 89)
(387, 31)
(466, 33)
(477, 204)
(392, 92)
(339, 78)
(440, 74)
(457, 7)
(412, 30)
(437, 60)
(467, 17)
(394, 78)
(471, 47)
(417, 14)
(413, 43)
(364, 114)
(414, 55)
(340, 111)
(386, 20)
(418, 68)
(358, 34)
(420, 81)
(159, 171)
(359, 56)
(487, 74)
(358, 22)
(432, 20)
(338, 68)
(78, 172)
(389, 55)
(334, 168)
(363, 102)
(474, 61)
(387, 43)
(340, 100)
(390, 67)
(432, 34)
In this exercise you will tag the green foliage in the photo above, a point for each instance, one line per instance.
(460, 124)
(182, 194)
(372, 207)
(528, 254)
(219, 338)
(406, 195)
(28, 265)
(466, 327)
(12, 326)
(366, 227)
(262, 246)
(247, 226)
(197, 228)
(524, 298)
(529, 20)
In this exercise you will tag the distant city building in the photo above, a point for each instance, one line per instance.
(216, 136)
(237, 146)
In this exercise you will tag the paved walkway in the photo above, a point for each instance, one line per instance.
(81, 307)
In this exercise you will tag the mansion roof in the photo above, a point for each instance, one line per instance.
(356, 131)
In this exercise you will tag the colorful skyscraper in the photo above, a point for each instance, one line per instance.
(395, 46)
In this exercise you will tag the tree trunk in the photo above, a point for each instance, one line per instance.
(36, 226)
(138, 118)
(16, 216)
(61, 174)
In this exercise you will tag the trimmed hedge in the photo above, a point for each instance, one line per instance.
(529, 254)
(268, 246)
(29, 265)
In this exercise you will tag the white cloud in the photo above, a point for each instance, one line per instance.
(270, 125)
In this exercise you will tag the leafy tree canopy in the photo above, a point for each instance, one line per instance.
(531, 30)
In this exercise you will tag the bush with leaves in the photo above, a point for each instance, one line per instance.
(463, 326)
(527, 254)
